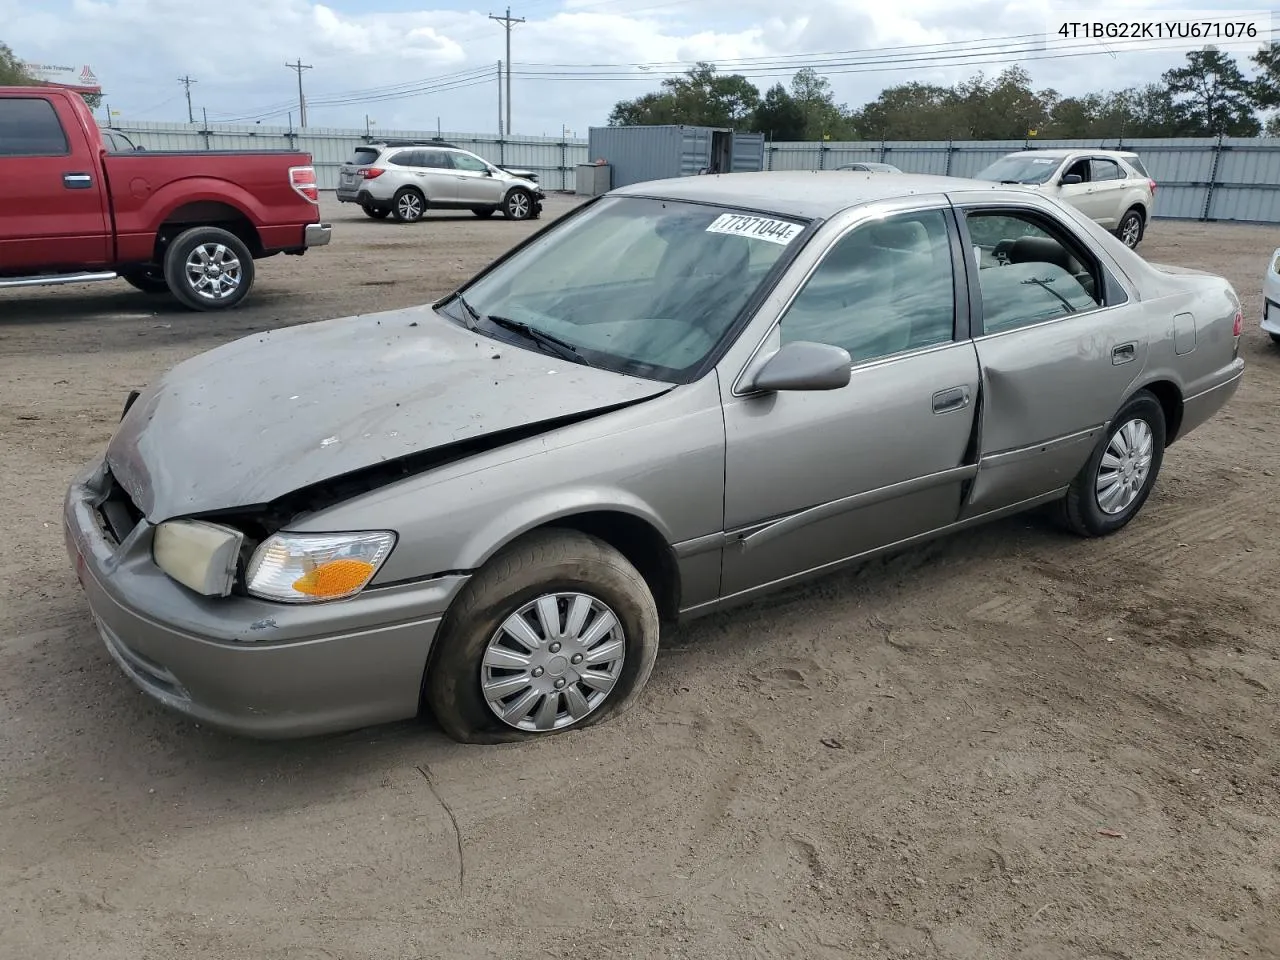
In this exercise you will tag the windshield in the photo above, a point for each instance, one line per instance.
(643, 287)
(1020, 170)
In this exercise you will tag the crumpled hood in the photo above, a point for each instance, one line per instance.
(263, 416)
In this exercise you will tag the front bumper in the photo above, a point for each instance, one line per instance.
(243, 665)
(317, 234)
(1271, 313)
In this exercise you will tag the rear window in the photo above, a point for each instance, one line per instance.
(363, 156)
(1137, 166)
(29, 127)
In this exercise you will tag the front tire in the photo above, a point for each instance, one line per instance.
(409, 205)
(208, 268)
(518, 205)
(1275, 337)
(1114, 484)
(1130, 229)
(557, 632)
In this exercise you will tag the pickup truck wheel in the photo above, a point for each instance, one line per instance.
(1113, 485)
(378, 213)
(557, 632)
(148, 280)
(409, 205)
(518, 205)
(209, 268)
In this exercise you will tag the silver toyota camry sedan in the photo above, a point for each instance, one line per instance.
(681, 396)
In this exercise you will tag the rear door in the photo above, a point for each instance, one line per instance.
(474, 181)
(814, 478)
(53, 211)
(1060, 344)
(1109, 186)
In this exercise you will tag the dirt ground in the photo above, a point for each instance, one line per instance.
(1008, 744)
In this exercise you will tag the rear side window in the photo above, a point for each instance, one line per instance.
(29, 127)
(406, 158)
(436, 159)
(1105, 170)
(1138, 168)
(363, 156)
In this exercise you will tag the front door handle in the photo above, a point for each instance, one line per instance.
(77, 181)
(953, 398)
(1124, 353)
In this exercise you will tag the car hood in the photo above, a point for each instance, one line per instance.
(266, 415)
(1179, 271)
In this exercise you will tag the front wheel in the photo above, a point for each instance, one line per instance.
(208, 268)
(1275, 337)
(558, 631)
(1111, 488)
(518, 205)
(1130, 229)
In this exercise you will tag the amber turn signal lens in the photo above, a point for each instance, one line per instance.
(335, 578)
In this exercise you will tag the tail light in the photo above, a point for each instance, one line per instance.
(1238, 325)
(303, 181)
(369, 173)
(1152, 183)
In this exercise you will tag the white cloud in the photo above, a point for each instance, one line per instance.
(237, 50)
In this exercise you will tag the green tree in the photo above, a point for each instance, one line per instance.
(12, 72)
(1265, 89)
(701, 96)
(779, 116)
(823, 117)
(1213, 96)
(910, 111)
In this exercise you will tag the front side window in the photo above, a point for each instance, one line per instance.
(29, 127)
(463, 161)
(646, 287)
(885, 288)
(1028, 273)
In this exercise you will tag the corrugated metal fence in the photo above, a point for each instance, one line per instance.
(1231, 178)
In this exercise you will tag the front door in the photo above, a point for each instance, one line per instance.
(474, 181)
(52, 215)
(1060, 345)
(813, 478)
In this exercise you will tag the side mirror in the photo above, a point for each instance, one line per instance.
(802, 365)
(1072, 178)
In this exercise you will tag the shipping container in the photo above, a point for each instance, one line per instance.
(638, 154)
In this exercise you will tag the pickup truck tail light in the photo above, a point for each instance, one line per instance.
(303, 180)
(369, 173)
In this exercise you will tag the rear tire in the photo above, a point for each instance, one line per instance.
(575, 570)
(1275, 337)
(189, 263)
(1131, 228)
(409, 205)
(1112, 486)
(146, 279)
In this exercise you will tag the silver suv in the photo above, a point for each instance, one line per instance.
(404, 179)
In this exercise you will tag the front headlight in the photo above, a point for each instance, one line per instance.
(308, 567)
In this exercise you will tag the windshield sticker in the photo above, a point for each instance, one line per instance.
(1044, 160)
(756, 228)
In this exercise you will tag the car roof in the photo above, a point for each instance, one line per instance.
(805, 194)
(1058, 153)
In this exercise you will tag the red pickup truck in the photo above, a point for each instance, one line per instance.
(189, 223)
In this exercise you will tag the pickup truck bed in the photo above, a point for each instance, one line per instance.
(191, 223)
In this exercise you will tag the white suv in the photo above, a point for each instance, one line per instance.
(1111, 187)
(405, 178)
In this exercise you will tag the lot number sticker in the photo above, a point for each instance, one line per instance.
(756, 228)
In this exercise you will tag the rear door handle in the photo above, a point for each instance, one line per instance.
(953, 398)
(77, 181)
(1124, 353)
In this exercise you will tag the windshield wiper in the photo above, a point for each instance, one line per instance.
(563, 348)
(469, 314)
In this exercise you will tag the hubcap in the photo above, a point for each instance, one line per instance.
(519, 205)
(552, 662)
(1131, 228)
(213, 271)
(410, 208)
(1126, 463)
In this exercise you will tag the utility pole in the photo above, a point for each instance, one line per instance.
(508, 22)
(302, 101)
(187, 82)
(499, 99)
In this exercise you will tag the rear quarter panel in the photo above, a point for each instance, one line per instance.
(146, 189)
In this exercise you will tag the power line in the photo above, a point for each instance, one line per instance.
(508, 22)
(187, 82)
(302, 100)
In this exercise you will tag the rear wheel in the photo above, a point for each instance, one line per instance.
(558, 631)
(518, 205)
(1275, 338)
(1112, 487)
(146, 279)
(1130, 229)
(209, 268)
(409, 205)
(378, 213)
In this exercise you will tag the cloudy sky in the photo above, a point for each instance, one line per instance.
(410, 63)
